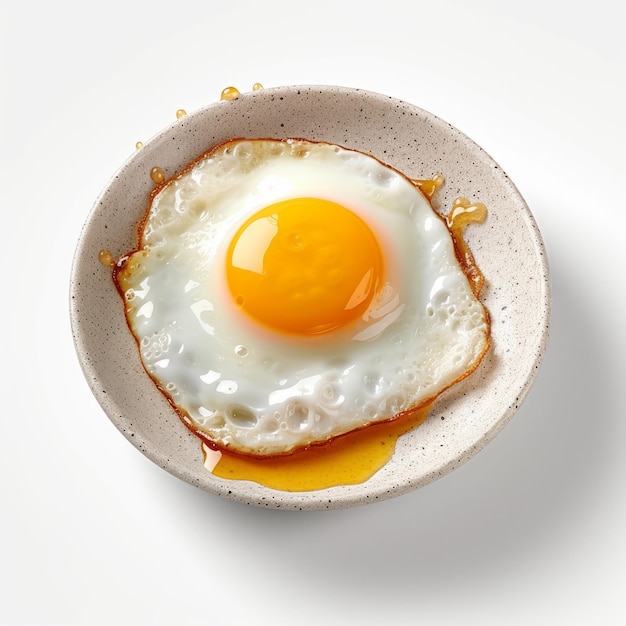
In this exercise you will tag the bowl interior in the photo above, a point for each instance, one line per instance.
(517, 292)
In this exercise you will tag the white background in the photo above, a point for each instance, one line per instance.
(531, 531)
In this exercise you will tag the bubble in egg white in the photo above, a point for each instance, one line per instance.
(253, 390)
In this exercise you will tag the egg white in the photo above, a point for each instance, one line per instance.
(256, 391)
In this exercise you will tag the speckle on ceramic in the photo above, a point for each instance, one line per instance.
(507, 247)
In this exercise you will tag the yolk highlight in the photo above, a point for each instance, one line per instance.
(304, 265)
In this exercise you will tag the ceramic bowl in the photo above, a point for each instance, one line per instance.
(508, 248)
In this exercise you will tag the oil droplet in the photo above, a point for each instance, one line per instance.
(230, 93)
(180, 114)
(346, 460)
(139, 145)
(464, 212)
(428, 186)
(157, 175)
(106, 258)
(257, 87)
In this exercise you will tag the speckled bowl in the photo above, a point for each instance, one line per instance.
(507, 247)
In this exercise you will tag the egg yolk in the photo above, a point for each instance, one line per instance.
(304, 265)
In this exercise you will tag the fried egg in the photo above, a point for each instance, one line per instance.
(285, 292)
